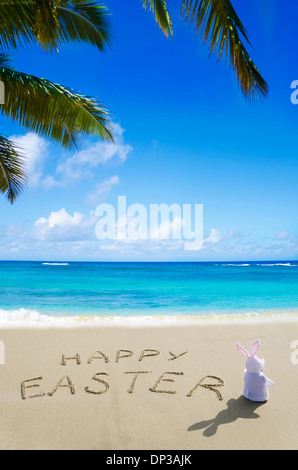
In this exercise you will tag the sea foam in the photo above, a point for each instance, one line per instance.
(55, 264)
(22, 318)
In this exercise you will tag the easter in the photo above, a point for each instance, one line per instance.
(165, 384)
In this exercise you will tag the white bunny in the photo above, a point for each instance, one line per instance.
(255, 382)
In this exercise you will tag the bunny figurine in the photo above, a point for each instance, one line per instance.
(255, 382)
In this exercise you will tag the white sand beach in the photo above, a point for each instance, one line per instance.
(154, 386)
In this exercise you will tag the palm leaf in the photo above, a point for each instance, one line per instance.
(12, 174)
(52, 110)
(84, 21)
(221, 26)
(161, 14)
(46, 26)
(17, 23)
(4, 60)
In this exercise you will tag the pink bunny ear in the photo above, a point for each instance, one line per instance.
(242, 350)
(254, 347)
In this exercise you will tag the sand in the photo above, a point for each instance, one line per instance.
(174, 386)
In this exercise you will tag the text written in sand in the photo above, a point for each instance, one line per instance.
(100, 383)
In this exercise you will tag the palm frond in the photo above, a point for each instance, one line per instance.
(17, 23)
(52, 22)
(52, 110)
(220, 25)
(161, 14)
(46, 25)
(84, 21)
(5, 60)
(12, 174)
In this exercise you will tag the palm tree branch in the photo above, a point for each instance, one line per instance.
(84, 20)
(52, 110)
(17, 23)
(161, 14)
(52, 22)
(219, 24)
(12, 174)
(5, 60)
(46, 26)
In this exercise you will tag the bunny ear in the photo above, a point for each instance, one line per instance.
(242, 350)
(254, 347)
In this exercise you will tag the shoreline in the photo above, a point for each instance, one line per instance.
(21, 319)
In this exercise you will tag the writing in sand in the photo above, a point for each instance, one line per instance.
(100, 383)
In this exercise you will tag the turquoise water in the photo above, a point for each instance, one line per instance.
(155, 289)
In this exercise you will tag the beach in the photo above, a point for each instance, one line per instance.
(146, 385)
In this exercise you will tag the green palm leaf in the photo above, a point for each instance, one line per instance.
(12, 174)
(47, 108)
(52, 110)
(161, 14)
(4, 60)
(51, 22)
(84, 21)
(219, 23)
(17, 23)
(46, 25)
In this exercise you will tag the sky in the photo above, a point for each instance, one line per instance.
(184, 135)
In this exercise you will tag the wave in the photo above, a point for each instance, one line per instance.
(22, 318)
(235, 264)
(32, 318)
(276, 264)
(27, 317)
(55, 264)
(22, 315)
(258, 264)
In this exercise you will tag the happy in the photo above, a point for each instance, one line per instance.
(120, 354)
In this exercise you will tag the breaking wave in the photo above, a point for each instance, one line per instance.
(236, 264)
(55, 264)
(258, 264)
(276, 264)
(32, 318)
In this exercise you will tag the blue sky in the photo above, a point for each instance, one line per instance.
(185, 134)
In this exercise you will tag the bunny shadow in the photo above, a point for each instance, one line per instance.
(236, 408)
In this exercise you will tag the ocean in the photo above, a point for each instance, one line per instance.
(38, 290)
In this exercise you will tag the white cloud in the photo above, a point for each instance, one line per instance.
(60, 218)
(63, 234)
(168, 228)
(35, 149)
(77, 230)
(82, 163)
(282, 236)
(214, 237)
(62, 226)
(50, 182)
